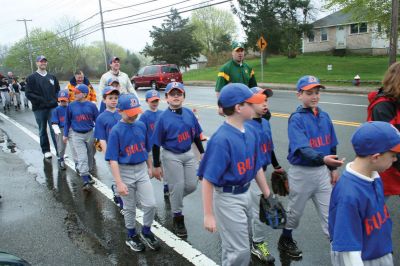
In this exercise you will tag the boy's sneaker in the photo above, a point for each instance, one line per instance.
(91, 180)
(48, 155)
(135, 243)
(86, 186)
(150, 240)
(166, 192)
(62, 166)
(289, 246)
(261, 251)
(178, 226)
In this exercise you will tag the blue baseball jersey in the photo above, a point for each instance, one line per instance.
(149, 118)
(104, 123)
(306, 129)
(264, 132)
(128, 143)
(58, 115)
(232, 158)
(80, 116)
(102, 107)
(176, 132)
(358, 217)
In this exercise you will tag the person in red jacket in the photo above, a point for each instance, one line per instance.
(385, 106)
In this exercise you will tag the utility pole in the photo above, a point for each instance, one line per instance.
(104, 36)
(29, 42)
(394, 32)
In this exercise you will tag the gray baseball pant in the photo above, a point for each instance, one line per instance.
(5, 98)
(84, 147)
(60, 144)
(181, 172)
(137, 179)
(308, 183)
(386, 260)
(232, 214)
(259, 228)
(73, 151)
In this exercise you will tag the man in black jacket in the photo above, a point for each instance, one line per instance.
(42, 89)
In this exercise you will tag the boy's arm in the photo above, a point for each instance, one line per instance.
(209, 219)
(262, 183)
(121, 187)
(103, 145)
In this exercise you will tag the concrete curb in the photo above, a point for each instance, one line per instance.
(292, 87)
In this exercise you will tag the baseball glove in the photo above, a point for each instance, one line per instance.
(280, 183)
(272, 212)
(97, 145)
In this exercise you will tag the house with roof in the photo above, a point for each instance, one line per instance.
(339, 31)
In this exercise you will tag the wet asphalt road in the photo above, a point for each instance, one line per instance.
(100, 218)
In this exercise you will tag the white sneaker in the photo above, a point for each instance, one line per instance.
(48, 155)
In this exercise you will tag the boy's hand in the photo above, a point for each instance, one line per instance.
(122, 189)
(334, 177)
(210, 224)
(332, 160)
(65, 139)
(56, 129)
(157, 172)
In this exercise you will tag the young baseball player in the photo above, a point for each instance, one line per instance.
(127, 151)
(176, 129)
(313, 159)
(359, 222)
(113, 82)
(149, 118)
(232, 160)
(80, 117)
(57, 123)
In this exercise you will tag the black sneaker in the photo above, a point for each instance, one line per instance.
(86, 186)
(135, 243)
(289, 246)
(262, 252)
(91, 180)
(150, 240)
(178, 226)
(62, 166)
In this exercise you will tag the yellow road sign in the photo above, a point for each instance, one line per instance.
(262, 43)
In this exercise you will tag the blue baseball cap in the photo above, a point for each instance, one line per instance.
(81, 88)
(40, 58)
(236, 93)
(112, 59)
(110, 81)
(129, 104)
(306, 83)
(63, 95)
(152, 95)
(174, 85)
(267, 91)
(375, 137)
(108, 89)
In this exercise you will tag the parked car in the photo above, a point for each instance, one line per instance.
(156, 76)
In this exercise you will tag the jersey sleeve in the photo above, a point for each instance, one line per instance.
(252, 80)
(54, 117)
(222, 79)
(197, 127)
(112, 146)
(214, 164)
(100, 129)
(297, 134)
(95, 111)
(346, 228)
(158, 134)
(67, 123)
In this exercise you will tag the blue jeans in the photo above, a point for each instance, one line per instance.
(43, 118)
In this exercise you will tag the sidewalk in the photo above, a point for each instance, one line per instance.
(292, 87)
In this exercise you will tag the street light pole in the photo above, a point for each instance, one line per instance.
(394, 32)
(104, 36)
(29, 43)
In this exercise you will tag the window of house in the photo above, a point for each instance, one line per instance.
(358, 28)
(324, 34)
(311, 37)
(363, 27)
(354, 28)
(379, 27)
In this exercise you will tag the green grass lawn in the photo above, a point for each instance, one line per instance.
(280, 69)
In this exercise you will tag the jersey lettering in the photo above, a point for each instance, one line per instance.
(82, 117)
(376, 221)
(243, 167)
(320, 141)
(132, 149)
(183, 136)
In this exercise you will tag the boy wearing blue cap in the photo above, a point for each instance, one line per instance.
(149, 118)
(175, 131)
(127, 151)
(80, 118)
(57, 123)
(232, 160)
(313, 159)
(359, 222)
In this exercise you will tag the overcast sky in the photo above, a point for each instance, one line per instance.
(46, 14)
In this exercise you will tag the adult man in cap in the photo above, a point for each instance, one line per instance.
(114, 72)
(235, 70)
(42, 89)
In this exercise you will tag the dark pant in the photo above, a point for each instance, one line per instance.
(43, 117)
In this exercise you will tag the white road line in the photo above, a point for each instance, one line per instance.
(346, 104)
(180, 246)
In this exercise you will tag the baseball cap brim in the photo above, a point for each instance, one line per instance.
(110, 91)
(237, 48)
(133, 111)
(312, 86)
(179, 89)
(256, 98)
(62, 98)
(153, 98)
(396, 148)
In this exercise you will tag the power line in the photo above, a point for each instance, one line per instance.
(138, 4)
